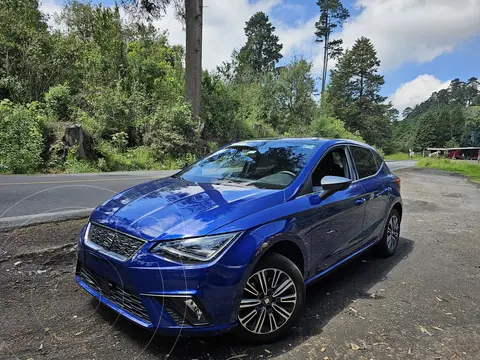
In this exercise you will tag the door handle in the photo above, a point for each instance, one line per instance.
(360, 201)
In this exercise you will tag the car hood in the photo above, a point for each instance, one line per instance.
(173, 208)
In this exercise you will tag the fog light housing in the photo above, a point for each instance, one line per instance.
(185, 311)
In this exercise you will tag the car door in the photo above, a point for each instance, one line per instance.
(368, 165)
(333, 225)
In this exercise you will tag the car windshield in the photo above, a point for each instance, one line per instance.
(271, 165)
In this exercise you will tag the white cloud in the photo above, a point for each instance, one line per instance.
(405, 31)
(223, 23)
(50, 8)
(414, 92)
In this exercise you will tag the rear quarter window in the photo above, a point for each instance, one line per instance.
(378, 159)
(365, 161)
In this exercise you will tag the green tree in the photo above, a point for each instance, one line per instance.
(332, 16)
(457, 92)
(393, 115)
(406, 112)
(219, 111)
(261, 52)
(426, 134)
(471, 130)
(25, 44)
(58, 101)
(355, 94)
(325, 124)
(456, 123)
(472, 90)
(295, 87)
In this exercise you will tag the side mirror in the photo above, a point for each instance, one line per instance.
(332, 184)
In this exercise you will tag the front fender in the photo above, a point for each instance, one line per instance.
(258, 241)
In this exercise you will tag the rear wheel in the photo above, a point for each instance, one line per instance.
(391, 236)
(272, 300)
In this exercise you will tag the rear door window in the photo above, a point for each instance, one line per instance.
(365, 161)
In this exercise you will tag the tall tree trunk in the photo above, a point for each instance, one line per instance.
(325, 58)
(325, 65)
(193, 54)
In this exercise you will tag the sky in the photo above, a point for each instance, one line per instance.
(422, 44)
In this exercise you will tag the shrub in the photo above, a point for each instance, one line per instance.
(58, 101)
(330, 127)
(112, 159)
(21, 141)
(173, 131)
(73, 165)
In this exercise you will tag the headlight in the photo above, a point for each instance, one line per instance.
(195, 249)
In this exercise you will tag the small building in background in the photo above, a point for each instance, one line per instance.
(465, 153)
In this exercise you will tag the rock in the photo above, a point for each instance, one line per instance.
(75, 136)
(17, 263)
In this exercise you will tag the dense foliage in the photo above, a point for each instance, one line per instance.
(449, 118)
(123, 83)
(355, 94)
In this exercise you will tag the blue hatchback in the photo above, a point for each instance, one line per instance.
(231, 242)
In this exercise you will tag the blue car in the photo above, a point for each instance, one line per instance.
(232, 241)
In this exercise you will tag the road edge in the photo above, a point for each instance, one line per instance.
(7, 223)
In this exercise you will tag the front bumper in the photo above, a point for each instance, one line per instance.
(146, 288)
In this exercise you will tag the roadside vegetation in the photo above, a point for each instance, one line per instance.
(398, 156)
(449, 118)
(101, 92)
(466, 168)
(104, 92)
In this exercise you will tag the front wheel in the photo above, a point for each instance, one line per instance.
(391, 236)
(272, 300)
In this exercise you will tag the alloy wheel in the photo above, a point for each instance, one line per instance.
(393, 232)
(268, 302)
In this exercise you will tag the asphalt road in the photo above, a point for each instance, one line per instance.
(27, 199)
(422, 303)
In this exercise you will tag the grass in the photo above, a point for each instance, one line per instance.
(471, 170)
(398, 156)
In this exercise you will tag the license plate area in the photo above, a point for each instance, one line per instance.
(103, 284)
(103, 272)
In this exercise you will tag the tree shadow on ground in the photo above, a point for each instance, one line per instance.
(325, 299)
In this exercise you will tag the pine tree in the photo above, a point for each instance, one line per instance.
(355, 93)
(261, 52)
(406, 112)
(332, 15)
(457, 93)
(426, 135)
(472, 90)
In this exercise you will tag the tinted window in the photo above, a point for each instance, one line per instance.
(378, 159)
(333, 163)
(365, 162)
(263, 164)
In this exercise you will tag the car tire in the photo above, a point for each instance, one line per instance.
(280, 295)
(391, 236)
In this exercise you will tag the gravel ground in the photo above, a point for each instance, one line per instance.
(423, 303)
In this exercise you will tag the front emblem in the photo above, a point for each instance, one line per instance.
(109, 240)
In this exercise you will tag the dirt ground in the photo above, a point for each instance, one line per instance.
(423, 303)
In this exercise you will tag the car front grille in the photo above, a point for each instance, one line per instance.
(115, 242)
(121, 297)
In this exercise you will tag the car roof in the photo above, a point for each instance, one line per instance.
(311, 141)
